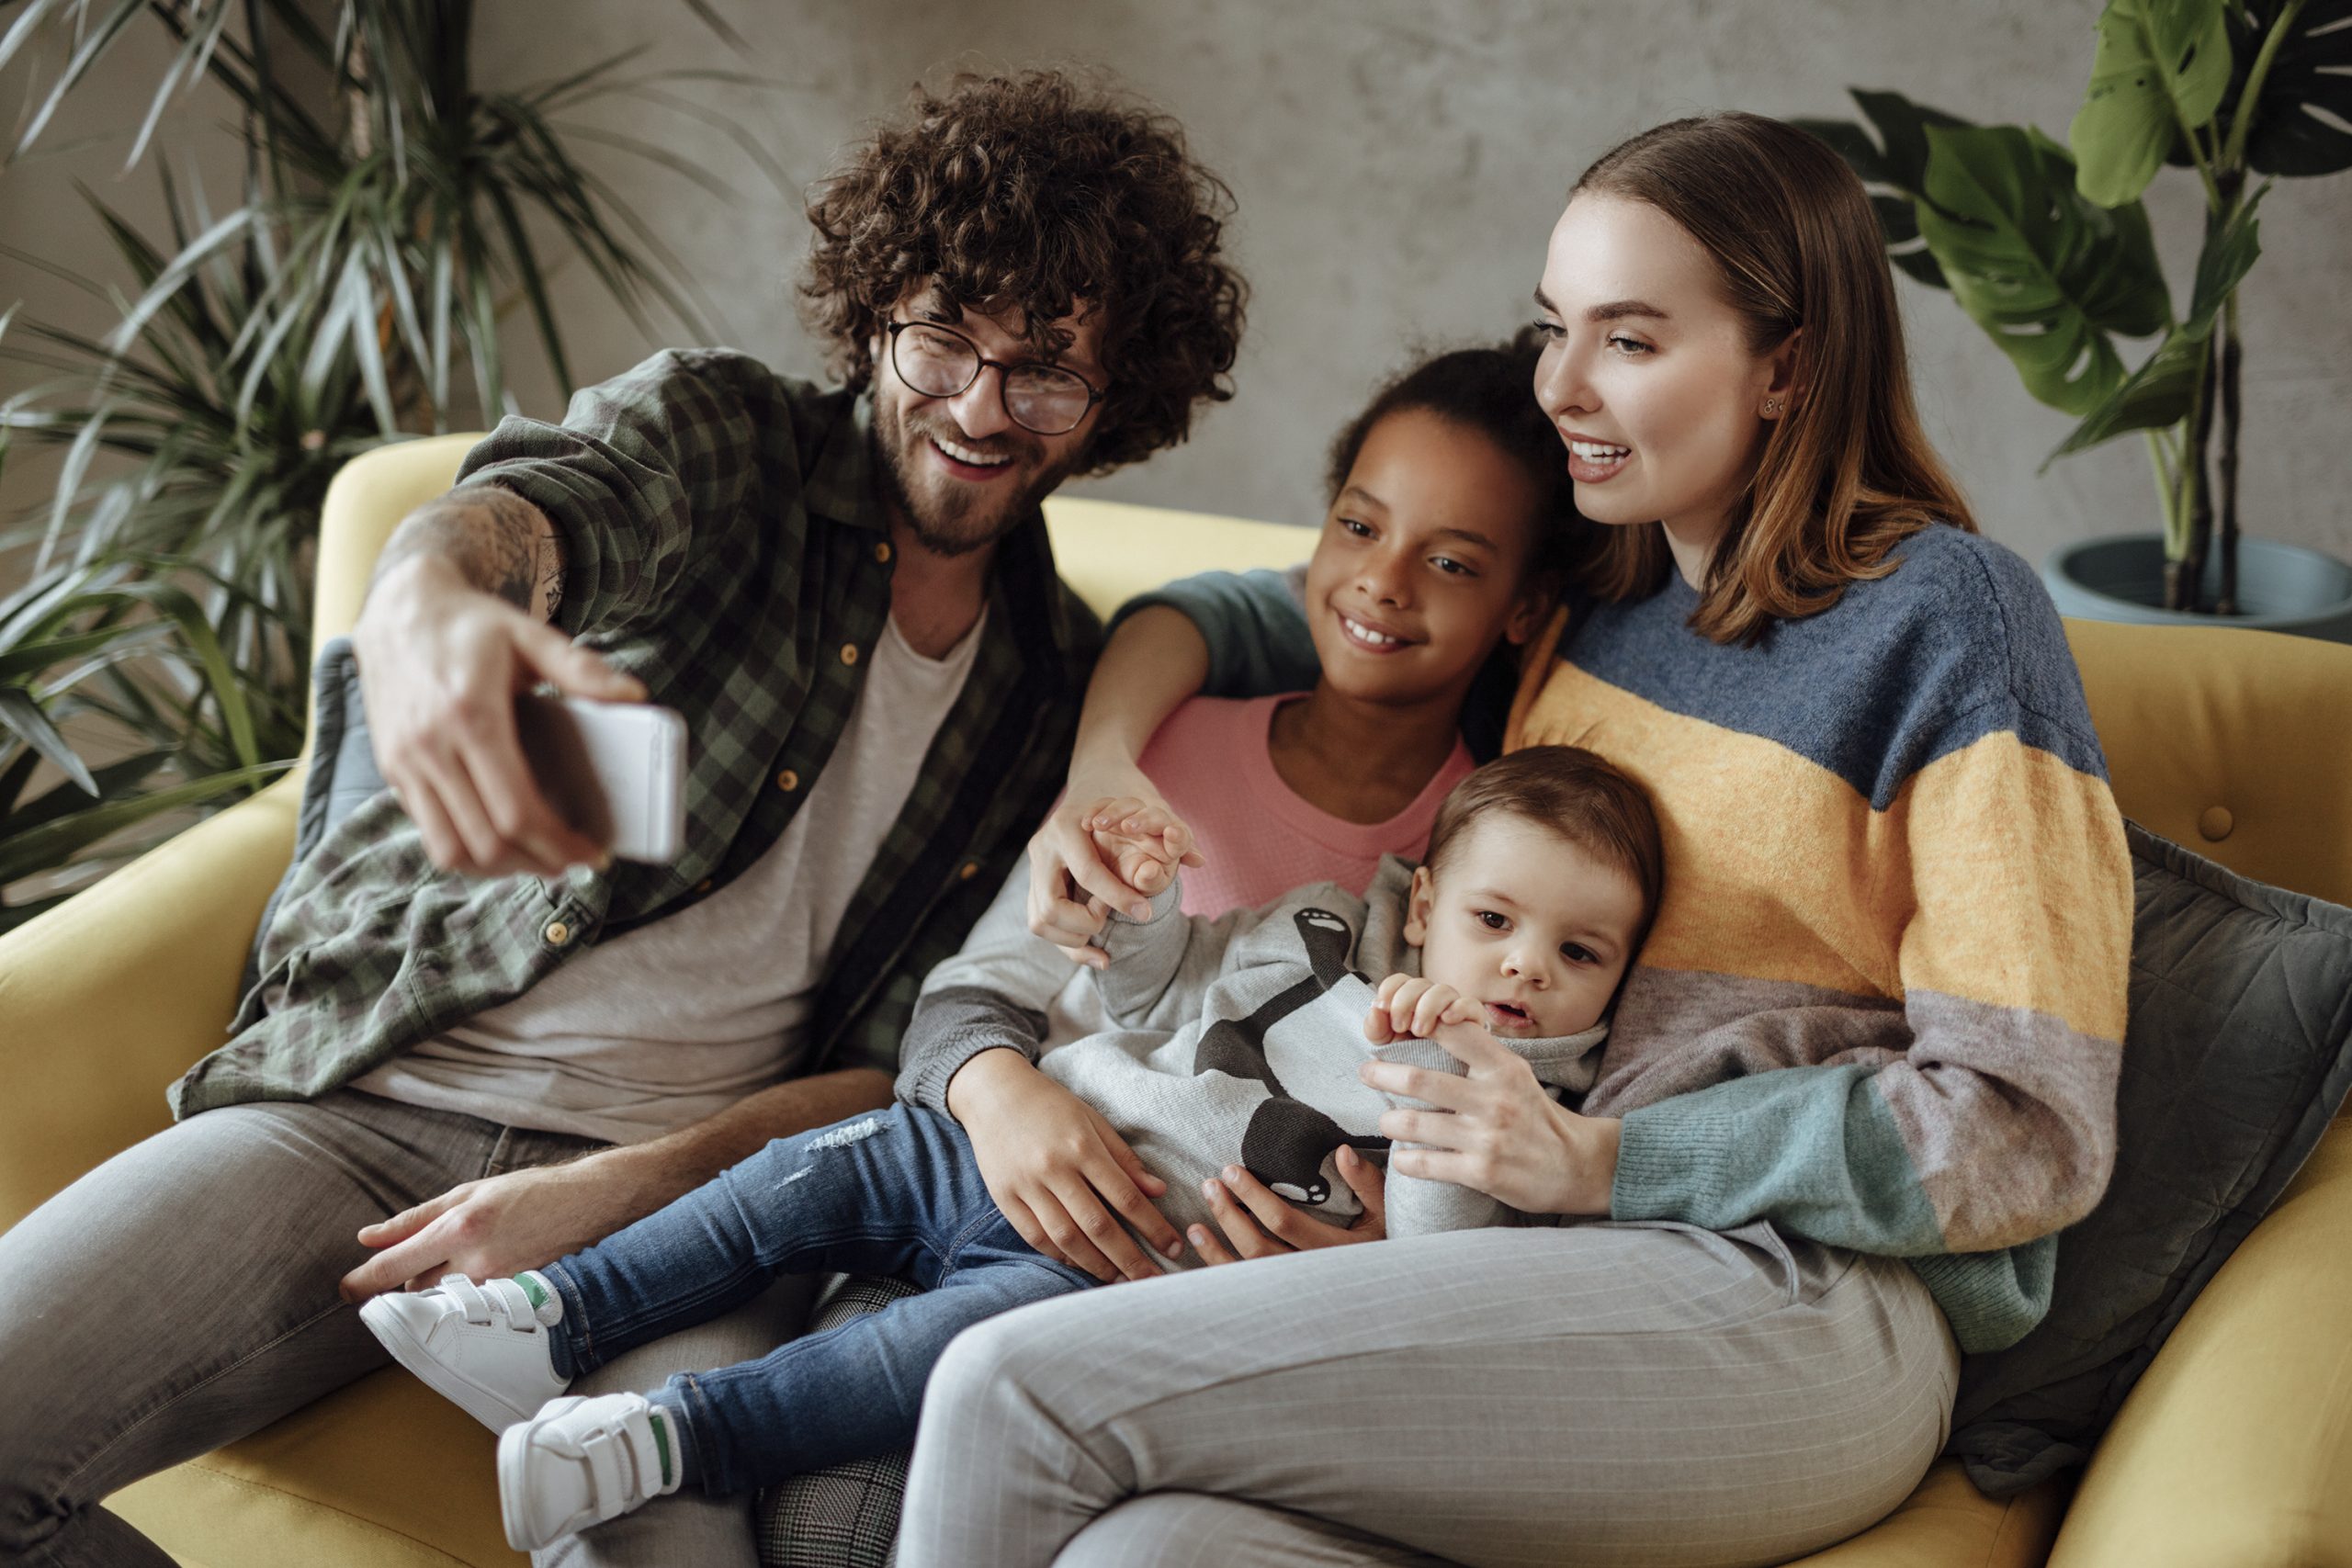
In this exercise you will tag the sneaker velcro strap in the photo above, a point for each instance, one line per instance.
(511, 1300)
(609, 1463)
(469, 1296)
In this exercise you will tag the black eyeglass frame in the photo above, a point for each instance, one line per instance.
(1094, 394)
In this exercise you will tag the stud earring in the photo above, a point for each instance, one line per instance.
(1771, 407)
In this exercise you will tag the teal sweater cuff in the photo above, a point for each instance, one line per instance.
(1667, 1155)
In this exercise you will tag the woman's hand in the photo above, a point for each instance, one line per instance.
(1058, 1170)
(1497, 1131)
(1259, 1223)
(1071, 887)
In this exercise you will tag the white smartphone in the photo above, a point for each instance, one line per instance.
(615, 770)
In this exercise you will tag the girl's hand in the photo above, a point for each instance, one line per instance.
(1260, 1225)
(1410, 1008)
(1142, 844)
(1497, 1131)
(1058, 1170)
(1071, 889)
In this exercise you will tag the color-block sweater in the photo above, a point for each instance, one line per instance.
(1883, 1003)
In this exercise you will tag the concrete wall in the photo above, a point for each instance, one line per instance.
(1398, 165)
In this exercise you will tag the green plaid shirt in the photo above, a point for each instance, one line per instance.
(723, 544)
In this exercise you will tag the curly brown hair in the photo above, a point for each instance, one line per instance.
(1027, 194)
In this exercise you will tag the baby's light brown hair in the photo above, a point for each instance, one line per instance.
(1571, 792)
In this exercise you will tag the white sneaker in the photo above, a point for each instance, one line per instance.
(578, 1462)
(478, 1345)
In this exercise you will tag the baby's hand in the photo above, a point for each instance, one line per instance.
(1144, 844)
(1408, 1006)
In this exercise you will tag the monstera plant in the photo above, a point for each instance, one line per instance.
(393, 212)
(2047, 247)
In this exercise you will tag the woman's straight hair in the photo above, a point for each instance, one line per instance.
(1847, 473)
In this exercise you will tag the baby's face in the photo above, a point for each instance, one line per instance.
(1532, 927)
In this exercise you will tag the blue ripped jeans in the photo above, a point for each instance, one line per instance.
(896, 1193)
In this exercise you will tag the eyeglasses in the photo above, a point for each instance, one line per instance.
(940, 362)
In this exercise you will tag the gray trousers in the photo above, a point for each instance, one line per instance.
(1592, 1394)
(183, 1295)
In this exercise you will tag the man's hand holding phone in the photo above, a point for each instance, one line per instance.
(441, 664)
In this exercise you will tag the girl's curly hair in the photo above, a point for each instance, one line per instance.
(1032, 194)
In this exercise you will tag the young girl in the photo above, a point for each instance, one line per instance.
(1448, 514)
(1443, 514)
(1861, 1075)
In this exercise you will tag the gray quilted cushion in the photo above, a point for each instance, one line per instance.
(846, 1517)
(2237, 1057)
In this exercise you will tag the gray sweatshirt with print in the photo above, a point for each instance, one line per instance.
(1212, 1041)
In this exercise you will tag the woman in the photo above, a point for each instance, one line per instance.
(1862, 1074)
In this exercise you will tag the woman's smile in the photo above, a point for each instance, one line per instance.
(1594, 462)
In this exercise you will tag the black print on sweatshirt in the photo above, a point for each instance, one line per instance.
(1287, 1140)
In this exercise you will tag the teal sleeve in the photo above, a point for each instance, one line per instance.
(1832, 1167)
(1256, 630)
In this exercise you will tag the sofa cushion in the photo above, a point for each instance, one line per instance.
(2237, 1054)
(846, 1517)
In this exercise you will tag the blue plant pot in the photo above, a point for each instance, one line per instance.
(2281, 588)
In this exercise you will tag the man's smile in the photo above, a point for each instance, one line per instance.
(968, 462)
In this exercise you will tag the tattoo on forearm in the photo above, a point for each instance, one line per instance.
(498, 542)
(551, 591)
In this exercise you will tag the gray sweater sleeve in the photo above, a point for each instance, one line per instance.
(1160, 969)
(993, 995)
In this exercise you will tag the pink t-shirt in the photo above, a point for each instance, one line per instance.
(1214, 762)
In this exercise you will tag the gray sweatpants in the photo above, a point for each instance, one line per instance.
(1594, 1394)
(183, 1294)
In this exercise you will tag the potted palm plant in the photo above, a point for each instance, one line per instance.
(2048, 248)
(393, 211)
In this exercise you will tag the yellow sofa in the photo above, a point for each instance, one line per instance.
(2235, 1451)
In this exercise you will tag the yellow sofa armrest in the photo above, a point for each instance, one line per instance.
(2236, 1446)
(113, 994)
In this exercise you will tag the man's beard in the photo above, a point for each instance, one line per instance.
(949, 518)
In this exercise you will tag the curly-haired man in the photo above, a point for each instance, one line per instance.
(464, 1017)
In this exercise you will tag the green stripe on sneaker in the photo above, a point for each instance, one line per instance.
(534, 1288)
(660, 1440)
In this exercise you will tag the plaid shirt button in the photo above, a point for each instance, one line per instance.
(849, 653)
(968, 870)
(787, 781)
(882, 554)
(557, 933)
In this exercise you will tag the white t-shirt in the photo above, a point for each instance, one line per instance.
(680, 1017)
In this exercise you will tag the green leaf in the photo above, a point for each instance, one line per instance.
(2043, 271)
(24, 718)
(91, 43)
(220, 236)
(2300, 120)
(112, 782)
(1903, 127)
(2161, 391)
(2229, 254)
(1893, 168)
(2157, 394)
(20, 664)
(49, 845)
(2161, 69)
